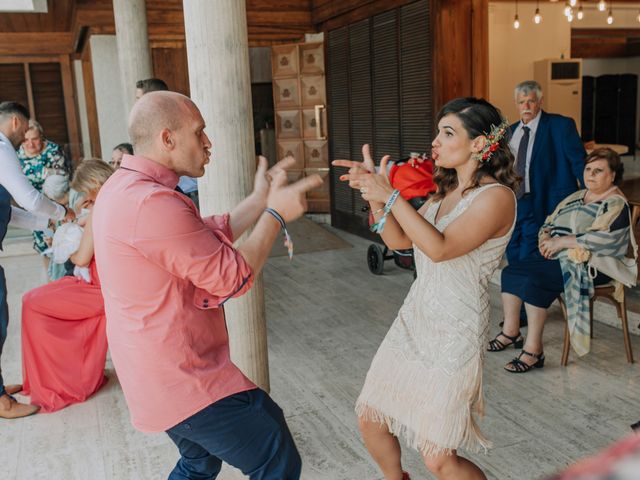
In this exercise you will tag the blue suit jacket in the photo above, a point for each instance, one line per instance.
(557, 163)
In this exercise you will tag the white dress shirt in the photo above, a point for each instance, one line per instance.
(17, 184)
(514, 143)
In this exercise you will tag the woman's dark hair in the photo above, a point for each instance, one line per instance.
(124, 148)
(477, 117)
(613, 160)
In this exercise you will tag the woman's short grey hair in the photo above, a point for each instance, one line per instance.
(527, 87)
(34, 125)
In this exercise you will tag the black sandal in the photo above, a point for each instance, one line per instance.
(521, 367)
(496, 345)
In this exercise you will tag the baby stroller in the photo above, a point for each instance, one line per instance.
(413, 176)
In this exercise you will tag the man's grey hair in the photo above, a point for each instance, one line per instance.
(527, 87)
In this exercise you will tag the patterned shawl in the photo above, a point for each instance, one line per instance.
(601, 228)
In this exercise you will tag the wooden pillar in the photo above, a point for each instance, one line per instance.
(461, 53)
(218, 58)
(134, 56)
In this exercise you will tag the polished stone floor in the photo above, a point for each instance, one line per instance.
(326, 315)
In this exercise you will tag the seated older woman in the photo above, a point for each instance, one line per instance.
(589, 224)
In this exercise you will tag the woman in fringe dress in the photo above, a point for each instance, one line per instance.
(425, 381)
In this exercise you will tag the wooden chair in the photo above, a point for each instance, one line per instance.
(606, 292)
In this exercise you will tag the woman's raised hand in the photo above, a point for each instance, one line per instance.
(373, 187)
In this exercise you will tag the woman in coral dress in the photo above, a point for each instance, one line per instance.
(64, 343)
(425, 381)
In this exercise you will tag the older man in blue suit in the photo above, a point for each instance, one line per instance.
(550, 159)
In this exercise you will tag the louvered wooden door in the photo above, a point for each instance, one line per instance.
(379, 91)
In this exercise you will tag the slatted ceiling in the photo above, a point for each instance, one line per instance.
(48, 99)
(360, 93)
(416, 78)
(337, 65)
(12, 84)
(386, 92)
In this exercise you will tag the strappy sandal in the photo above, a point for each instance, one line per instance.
(496, 345)
(521, 367)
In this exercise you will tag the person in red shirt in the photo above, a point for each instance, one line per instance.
(166, 273)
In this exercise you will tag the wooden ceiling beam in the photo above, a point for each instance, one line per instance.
(603, 47)
(41, 43)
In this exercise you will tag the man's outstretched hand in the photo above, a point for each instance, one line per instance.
(289, 200)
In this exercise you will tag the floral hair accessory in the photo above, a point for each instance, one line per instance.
(493, 139)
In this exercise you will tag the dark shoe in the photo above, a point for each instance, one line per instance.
(518, 366)
(10, 408)
(496, 345)
(405, 476)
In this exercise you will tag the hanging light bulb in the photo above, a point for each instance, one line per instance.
(567, 10)
(602, 5)
(570, 17)
(580, 14)
(638, 17)
(610, 17)
(516, 22)
(537, 18)
(573, 3)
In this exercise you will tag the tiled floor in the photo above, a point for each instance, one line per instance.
(327, 314)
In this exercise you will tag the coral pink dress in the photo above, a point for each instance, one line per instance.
(64, 342)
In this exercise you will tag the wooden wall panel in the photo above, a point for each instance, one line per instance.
(331, 14)
(170, 64)
(48, 99)
(13, 83)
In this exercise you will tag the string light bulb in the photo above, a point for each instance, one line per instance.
(537, 18)
(580, 14)
(567, 10)
(516, 22)
(573, 3)
(610, 17)
(602, 5)
(570, 17)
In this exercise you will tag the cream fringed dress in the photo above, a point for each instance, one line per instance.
(425, 381)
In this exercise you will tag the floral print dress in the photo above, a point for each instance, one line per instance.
(36, 169)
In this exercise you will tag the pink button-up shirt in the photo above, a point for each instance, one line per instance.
(166, 272)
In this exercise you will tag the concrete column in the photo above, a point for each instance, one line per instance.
(134, 55)
(218, 57)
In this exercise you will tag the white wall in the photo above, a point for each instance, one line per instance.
(610, 66)
(112, 118)
(512, 52)
(82, 108)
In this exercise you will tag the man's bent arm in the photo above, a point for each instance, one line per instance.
(245, 214)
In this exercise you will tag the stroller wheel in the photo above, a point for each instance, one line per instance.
(375, 259)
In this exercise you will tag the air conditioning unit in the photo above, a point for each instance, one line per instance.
(561, 81)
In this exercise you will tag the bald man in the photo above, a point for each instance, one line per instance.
(166, 274)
